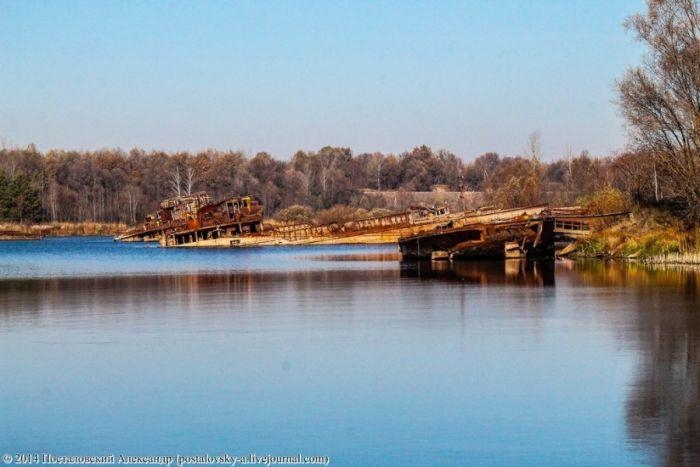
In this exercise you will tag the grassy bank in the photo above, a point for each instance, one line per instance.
(64, 229)
(649, 236)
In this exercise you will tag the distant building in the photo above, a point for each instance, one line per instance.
(400, 200)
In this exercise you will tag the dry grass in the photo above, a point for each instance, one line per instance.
(65, 229)
(684, 259)
(646, 235)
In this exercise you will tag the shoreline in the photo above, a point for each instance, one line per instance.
(18, 231)
(609, 244)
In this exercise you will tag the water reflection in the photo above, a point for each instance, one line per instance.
(663, 401)
(509, 272)
(157, 295)
(606, 361)
(614, 273)
(663, 404)
(391, 256)
(663, 407)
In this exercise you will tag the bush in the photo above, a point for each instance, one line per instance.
(295, 214)
(606, 200)
(340, 214)
(379, 212)
(593, 246)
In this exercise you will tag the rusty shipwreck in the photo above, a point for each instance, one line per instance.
(187, 219)
(505, 234)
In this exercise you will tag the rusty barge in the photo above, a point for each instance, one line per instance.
(493, 240)
(374, 230)
(528, 235)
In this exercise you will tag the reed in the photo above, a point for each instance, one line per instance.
(687, 258)
(65, 229)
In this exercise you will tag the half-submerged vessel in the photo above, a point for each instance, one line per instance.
(187, 219)
(533, 234)
(529, 238)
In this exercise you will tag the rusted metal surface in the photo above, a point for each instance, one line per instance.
(379, 225)
(480, 234)
(526, 235)
(190, 218)
(575, 225)
(381, 229)
(422, 232)
(533, 238)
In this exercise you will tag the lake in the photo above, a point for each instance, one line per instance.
(345, 352)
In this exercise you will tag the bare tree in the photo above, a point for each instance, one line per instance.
(661, 98)
(132, 197)
(569, 172)
(533, 149)
(190, 180)
(175, 182)
(376, 162)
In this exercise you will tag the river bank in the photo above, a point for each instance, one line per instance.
(17, 231)
(649, 236)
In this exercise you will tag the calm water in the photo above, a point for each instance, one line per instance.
(110, 348)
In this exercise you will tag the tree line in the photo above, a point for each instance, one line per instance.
(113, 185)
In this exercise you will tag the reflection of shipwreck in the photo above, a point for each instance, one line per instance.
(187, 219)
(485, 273)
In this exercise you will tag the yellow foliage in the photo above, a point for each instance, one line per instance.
(606, 200)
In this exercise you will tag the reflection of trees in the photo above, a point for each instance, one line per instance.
(663, 407)
(596, 273)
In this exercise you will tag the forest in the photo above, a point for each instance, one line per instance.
(112, 185)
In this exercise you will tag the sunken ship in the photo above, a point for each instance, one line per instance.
(188, 219)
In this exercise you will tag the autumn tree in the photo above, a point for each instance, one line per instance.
(661, 98)
(418, 169)
(295, 214)
(478, 172)
(391, 176)
(631, 173)
(4, 196)
(112, 185)
(514, 183)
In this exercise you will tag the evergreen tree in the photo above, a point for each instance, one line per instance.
(22, 200)
(4, 201)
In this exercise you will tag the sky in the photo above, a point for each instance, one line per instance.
(466, 76)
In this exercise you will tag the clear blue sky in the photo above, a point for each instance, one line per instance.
(467, 76)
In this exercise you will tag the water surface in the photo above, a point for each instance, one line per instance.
(345, 352)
